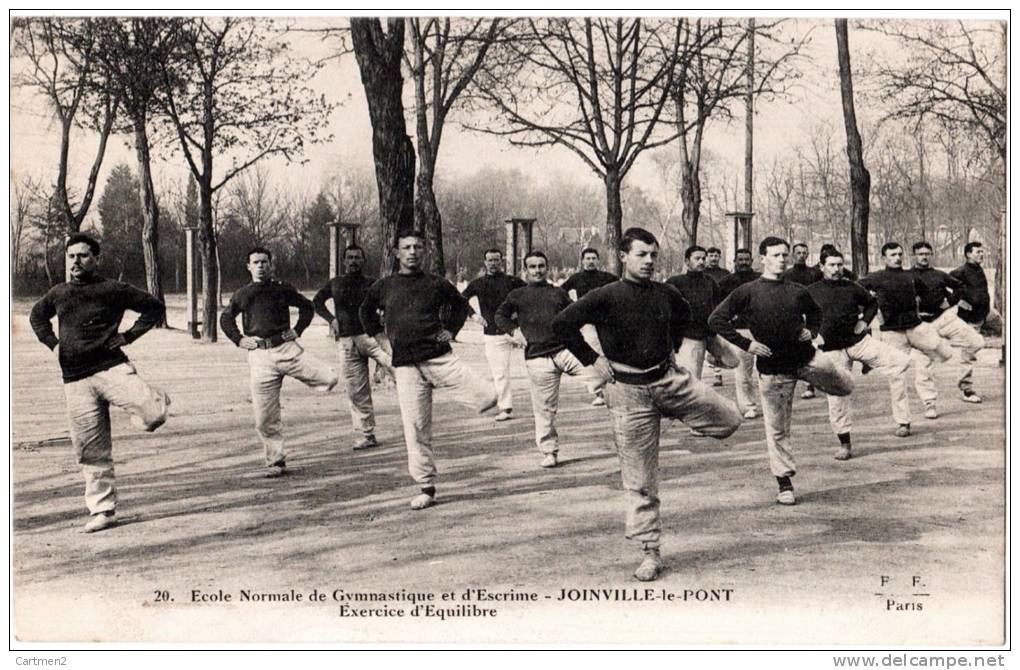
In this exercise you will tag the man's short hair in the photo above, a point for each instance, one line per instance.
(828, 253)
(636, 234)
(742, 250)
(890, 245)
(713, 250)
(920, 245)
(799, 244)
(410, 233)
(771, 241)
(536, 254)
(82, 238)
(970, 246)
(259, 250)
(691, 249)
(827, 247)
(589, 250)
(354, 247)
(493, 250)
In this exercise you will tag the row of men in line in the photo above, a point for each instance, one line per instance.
(639, 324)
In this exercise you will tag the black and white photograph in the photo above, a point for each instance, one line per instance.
(540, 330)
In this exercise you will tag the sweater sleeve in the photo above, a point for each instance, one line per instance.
(150, 311)
(506, 315)
(721, 319)
(41, 320)
(680, 310)
(459, 307)
(867, 302)
(812, 313)
(369, 310)
(567, 326)
(228, 320)
(955, 293)
(321, 296)
(306, 310)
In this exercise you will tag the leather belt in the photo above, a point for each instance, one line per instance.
(631, 375)
(271, 342)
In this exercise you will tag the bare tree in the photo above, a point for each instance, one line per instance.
(24, 200)
(235, 90)
(860, 178)
(258, 207)
(61, 64)
(595, 86)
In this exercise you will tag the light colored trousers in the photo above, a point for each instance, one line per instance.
(268, 368)
(355, 352)
(744, 377)
(892, 363)
(414, 393)
(88, 409)
(498, 349)
(545, 373)
(692, 354)
(961, 335)
(637, 411)
(777, 393)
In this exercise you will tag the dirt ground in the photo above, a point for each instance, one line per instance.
(903, 545)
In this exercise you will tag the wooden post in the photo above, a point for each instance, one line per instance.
(740, 235)
(348, 236)
(191, 272)
(519, 233)
(335, 260)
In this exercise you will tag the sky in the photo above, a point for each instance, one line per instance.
(779, 126)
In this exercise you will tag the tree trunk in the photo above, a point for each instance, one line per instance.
(860, 178)
(150, 214)
(210, 256)
(379, 57)
(428, 220)
(614, 220)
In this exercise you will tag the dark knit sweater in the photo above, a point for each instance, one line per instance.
(89, 313)
(347, 292)
(416, 307)
(587, 280)
(896, 289)
(532, 309)
(974, 291)
(843, 304)
(934, 289)
(731, 282)
(803, 275)
(639, 324)
(491, 291)
(703, 294)
(718, 274)
(265, 307)
(775, 311)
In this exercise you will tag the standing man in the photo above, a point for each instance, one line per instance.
(805, 275)
(423, 314)
(95, 371)
(975, 303)
(488, 292)
(747, 393)
(712, 268)
(782, 319)
(354, 347)
(847, 309)
(641, 323)
(825, 251)
(532, 309)
(703, 295)
(274, 351)
(578, 285)
(938, 297)
(902, 327)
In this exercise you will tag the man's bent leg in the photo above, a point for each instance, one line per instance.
(726, 354)
(968, 340)
(839, 406)
(692, 356)
(292, 359)
(680, 395)
(891, 363)
(122, 387)
(449, 372)
(823, 374)
(745, 379)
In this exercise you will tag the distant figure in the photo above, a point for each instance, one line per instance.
(96, 373)
(801, 273)
(975, 303)
(746, 388)
(487, 293)
(590, 277)
(712, 268)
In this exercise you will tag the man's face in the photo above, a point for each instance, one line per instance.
(639, 262)
(410, 250)
(922, 258)
(81, 260)
(712, 259)
(775, 258)
(696, 262)
(537, 269)
(976, 255)
(893, 257)
(833, 267)
(354, 261)
(590, 261)
(493, 263)
(260, 267)
(742, 261)
(800, 254)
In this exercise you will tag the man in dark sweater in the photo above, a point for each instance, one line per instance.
(354, 347)
(423, 314)
(577, 286)
(782, 319)
(96, 373)
(641, 324)
(746, 386)
(532, 310)
(485, 294)
(801, 273)
(826, 249)
(847, 309)
(274, 351)
(703, 295)
(712, 268)
(975, 303)
(902, 327)
(938, 297)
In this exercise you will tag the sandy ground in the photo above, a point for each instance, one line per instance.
(904, 544)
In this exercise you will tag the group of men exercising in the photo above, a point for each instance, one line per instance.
(639, 344)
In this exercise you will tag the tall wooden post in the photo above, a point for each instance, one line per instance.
(740, 233)
(348, 238)
(749, 129)
(191, 272)
(519, 235)
(334, 249)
